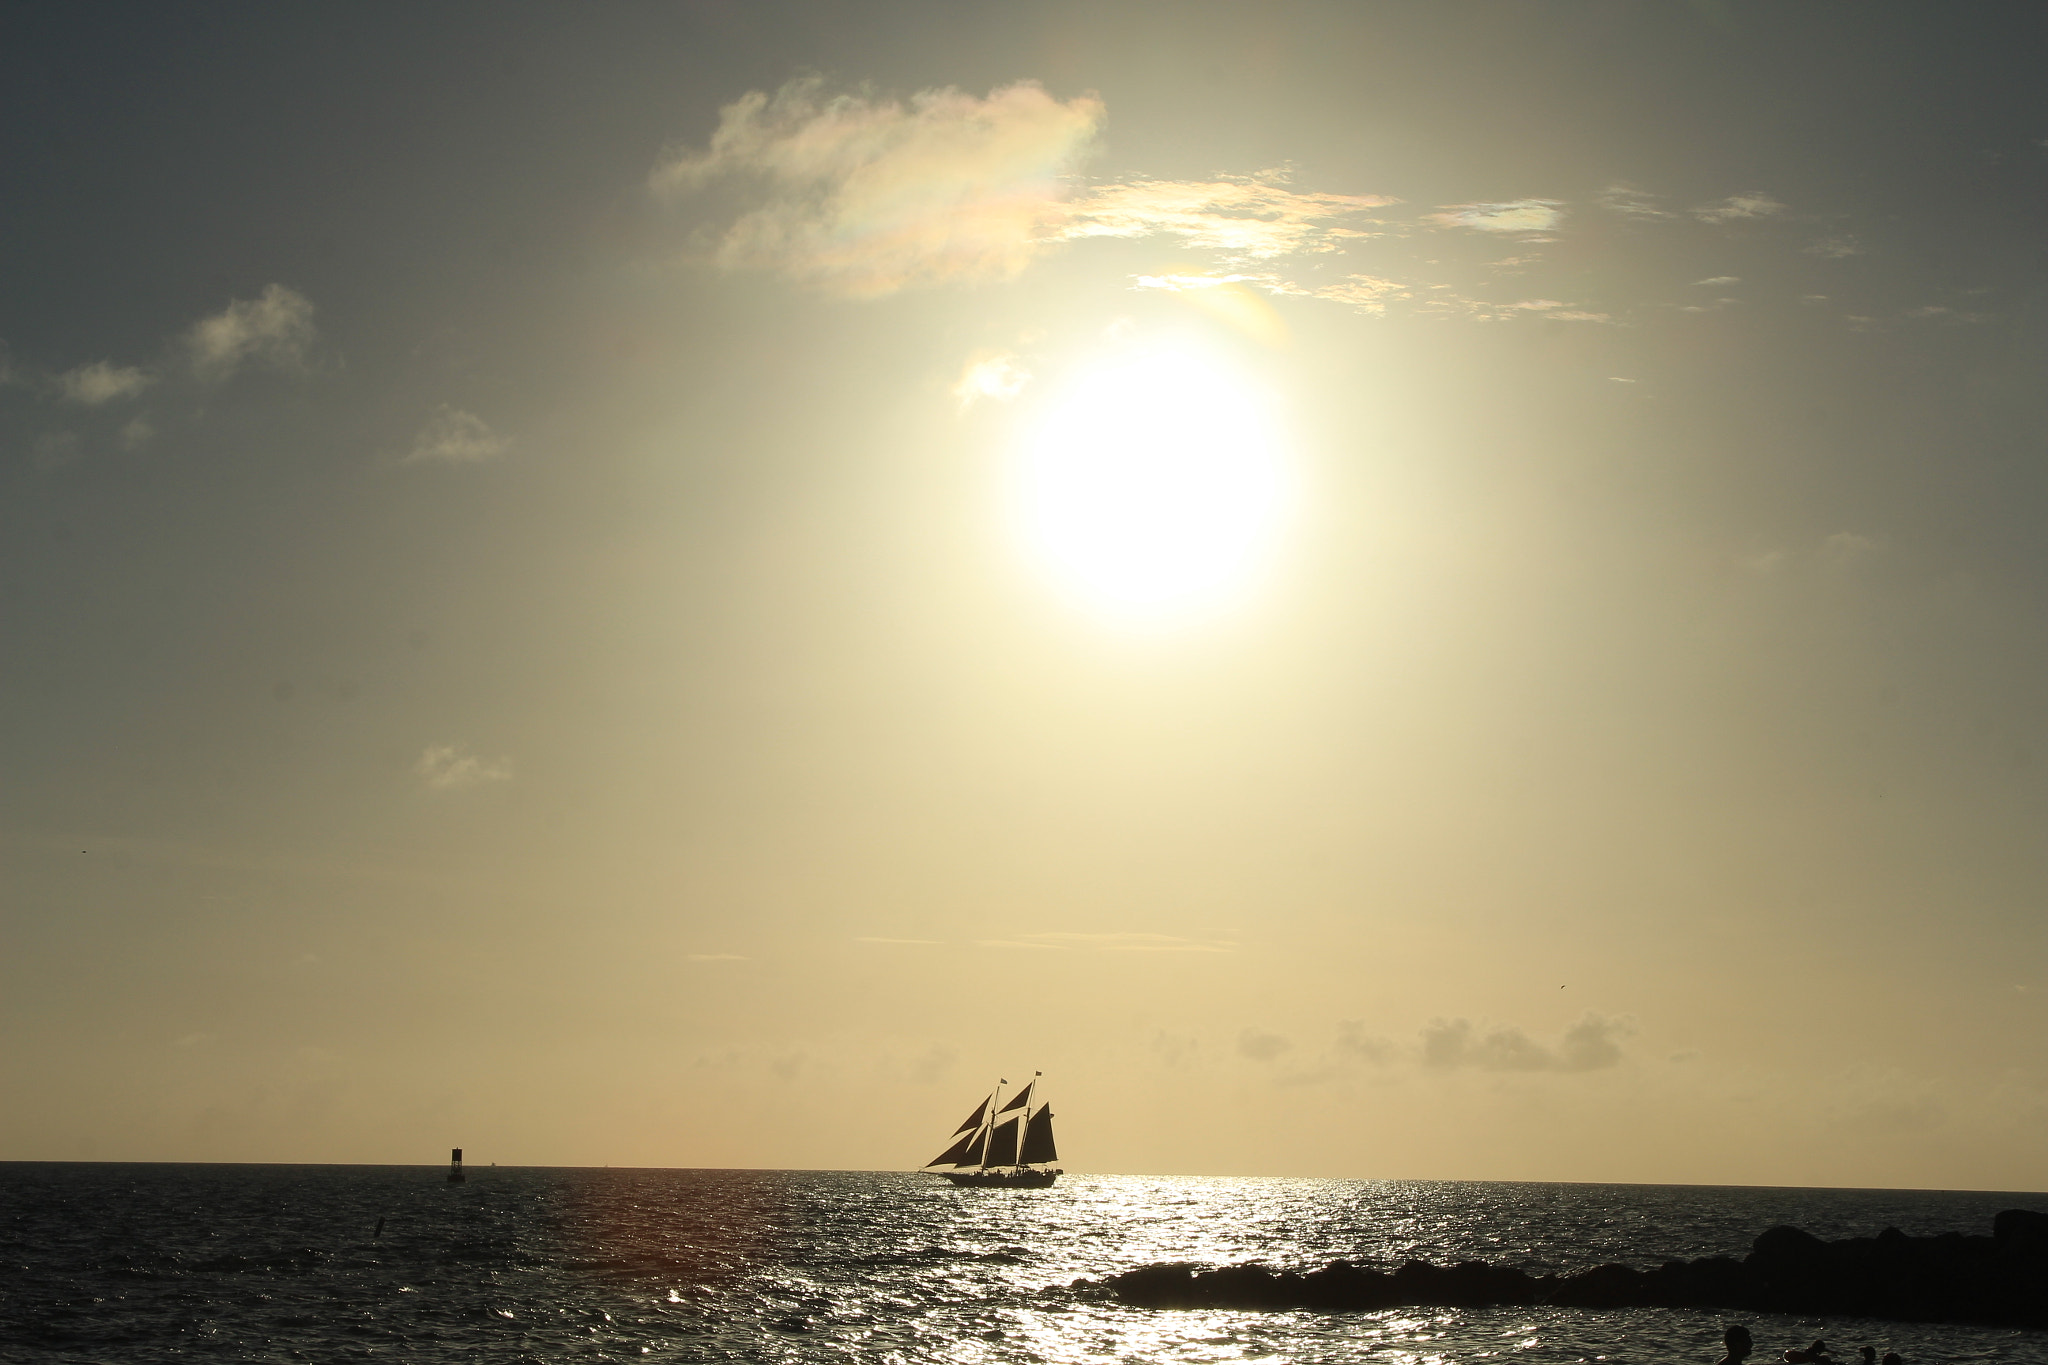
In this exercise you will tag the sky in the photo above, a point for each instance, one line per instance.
(1383, 590)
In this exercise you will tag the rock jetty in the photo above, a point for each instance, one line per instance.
(2001, 1279)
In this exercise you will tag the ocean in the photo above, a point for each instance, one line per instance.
(117, 1264)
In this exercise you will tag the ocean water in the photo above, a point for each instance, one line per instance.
(131, 1264)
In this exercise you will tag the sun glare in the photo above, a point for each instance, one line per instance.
(1154, 485)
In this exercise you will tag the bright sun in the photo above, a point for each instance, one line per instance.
(1154, 485)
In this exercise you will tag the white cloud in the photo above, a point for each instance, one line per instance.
(272, 329)
(1516, 215)
(1716, 281)
(1243, 217)
(990, 374)
(1754, 204)
(445, 768)
(1589, 1045)
(864, 196)
(453, 436)
(103, 382)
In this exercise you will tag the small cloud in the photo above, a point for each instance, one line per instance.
(1517, 215)
(1592, 1044)
(1261, 1047)
(102, 382)
(136, 433)
(1631, 203)
(452, 436)
(921, 942)
(863, 196)
(1015, 943)
(714, 957)
(1847, 545)
(444, 768)
(1366, 293)
(272, 329)
(1537, 305)
(1812, 299)
(1834, 248)
(1738, 207)
(990, 374)
(1716, 281)
(1619, 379)
(1579, 315)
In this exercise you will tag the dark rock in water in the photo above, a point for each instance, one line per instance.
(2001, 1279)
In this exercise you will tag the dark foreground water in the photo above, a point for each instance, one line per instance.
(145, 1263)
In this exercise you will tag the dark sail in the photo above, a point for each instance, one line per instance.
(975, 1144)
(1002, 1145)
(1023, 1098)
(973, 1121)
(1038, 1145)
(956, 1154)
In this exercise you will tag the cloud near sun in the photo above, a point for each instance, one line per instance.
(863, 196)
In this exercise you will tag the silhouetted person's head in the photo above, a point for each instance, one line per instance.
(1892, 1358)
(1869, 1354)
(1736, 1339)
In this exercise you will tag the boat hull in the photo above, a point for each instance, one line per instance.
(1003, 1180)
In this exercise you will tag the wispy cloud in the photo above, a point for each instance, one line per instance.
(1834, 248)
(1716, 281)
(452, 436)
(1736, 207)
(863, 196)
(446, 768)
(921, 942)
(102, 382)
(1245, 218)
(1589, 1045)
(1515, 215)
(273, 329)
(990, 374)
(1112, 943)
(1631, 202)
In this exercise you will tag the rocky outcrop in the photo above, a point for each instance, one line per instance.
(2001, 1279)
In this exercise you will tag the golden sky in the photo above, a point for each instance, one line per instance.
(1405, 590)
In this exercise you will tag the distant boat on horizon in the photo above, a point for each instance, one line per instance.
(991, 1150)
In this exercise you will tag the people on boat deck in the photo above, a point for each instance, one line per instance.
(1892, 1358)
(1818, 1352)
(1736, 1340)
(1869, 1354)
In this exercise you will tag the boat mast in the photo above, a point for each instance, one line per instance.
(1024, 1121)
(988, 1125)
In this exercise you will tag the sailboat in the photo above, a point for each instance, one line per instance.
(1005, 1146)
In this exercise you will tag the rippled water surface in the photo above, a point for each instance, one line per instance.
(139, 1263)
